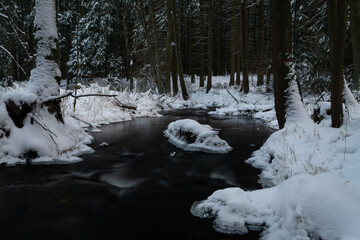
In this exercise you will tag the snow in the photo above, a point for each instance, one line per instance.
(190, 135)
(312, 180)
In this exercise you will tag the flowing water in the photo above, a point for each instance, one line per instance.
(138, 187)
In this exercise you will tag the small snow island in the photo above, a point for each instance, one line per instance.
(190, 135)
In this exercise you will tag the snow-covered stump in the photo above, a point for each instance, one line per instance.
(31, 134)
(190, 135)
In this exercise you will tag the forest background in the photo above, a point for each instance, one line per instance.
(137, 40)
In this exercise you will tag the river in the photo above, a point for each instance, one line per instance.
(138, 187)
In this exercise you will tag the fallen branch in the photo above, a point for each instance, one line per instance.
(70, 93)
(90, 124)
(120, 104)
(232, 96)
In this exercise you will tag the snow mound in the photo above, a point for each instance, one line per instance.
(190, 135)
(304, 207)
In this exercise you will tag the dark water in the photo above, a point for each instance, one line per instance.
(132, 189)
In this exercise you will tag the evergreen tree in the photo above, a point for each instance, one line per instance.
(91, 41)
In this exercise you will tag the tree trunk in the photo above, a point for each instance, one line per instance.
(174, 72)
(45, 77)
(233, 43)
(210, 47)
(337, 12)
(202, 44)
(178, 53)
(355, 38)
(169, 40)
(281, 44)
(239, 44)
(261, 65)
(220, 41)
(245, 46)
(191, 47)
(156, 46)
(127, 49)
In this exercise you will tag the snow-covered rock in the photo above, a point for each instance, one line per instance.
(190, 135)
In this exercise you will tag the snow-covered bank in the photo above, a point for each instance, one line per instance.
(312, 172)
(304, 207)
(227, 100)
(231, 101)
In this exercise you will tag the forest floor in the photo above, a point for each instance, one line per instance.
(310, 170)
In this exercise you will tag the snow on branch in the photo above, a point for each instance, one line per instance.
(70, 93)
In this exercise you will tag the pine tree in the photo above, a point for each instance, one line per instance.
(94, 30)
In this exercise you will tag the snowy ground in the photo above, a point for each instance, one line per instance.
(310, 171)
(227, 100)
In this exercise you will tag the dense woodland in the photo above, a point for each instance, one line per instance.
(158, 42)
